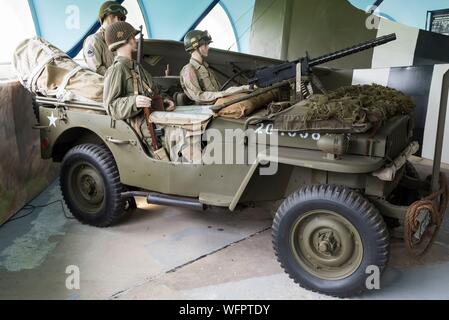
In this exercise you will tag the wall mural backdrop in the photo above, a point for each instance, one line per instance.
(23, 175)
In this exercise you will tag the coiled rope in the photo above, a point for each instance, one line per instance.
(435, 205)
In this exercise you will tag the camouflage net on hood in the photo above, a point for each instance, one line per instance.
(354, 108)
(360, 104)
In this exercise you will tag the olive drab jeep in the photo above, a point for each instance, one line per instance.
(343, 194)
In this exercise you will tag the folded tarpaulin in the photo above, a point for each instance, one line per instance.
(46, 70)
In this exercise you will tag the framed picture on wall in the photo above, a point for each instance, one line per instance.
(438, 21)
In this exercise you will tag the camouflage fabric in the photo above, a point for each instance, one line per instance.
(120, 95)
(277, 107)
(96, 53)
(353, 108)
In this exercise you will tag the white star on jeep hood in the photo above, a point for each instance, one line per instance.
(52, 120)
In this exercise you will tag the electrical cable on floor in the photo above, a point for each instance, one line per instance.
(32, 208)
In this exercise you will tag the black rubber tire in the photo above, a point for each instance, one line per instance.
(411, 171)
(353, 207)
(113, 206)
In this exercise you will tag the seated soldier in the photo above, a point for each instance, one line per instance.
(197, 79)
(123, 98)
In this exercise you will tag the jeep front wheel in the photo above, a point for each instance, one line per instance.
(90, 185)
(327, 238)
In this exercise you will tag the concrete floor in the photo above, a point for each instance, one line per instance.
(167, 253)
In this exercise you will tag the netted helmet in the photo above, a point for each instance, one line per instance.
(118, 34)
(112, 7)
(195, 39)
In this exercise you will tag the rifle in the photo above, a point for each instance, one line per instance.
(146, 111)
(268, 76)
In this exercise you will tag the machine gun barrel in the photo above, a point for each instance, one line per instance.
(352, 50)
(268, 76)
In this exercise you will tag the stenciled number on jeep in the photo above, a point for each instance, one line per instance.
(264, 128)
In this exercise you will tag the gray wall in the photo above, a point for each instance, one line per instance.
(286, 29)
(270, 30)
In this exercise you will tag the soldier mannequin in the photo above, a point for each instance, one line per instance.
(95, 50)
(197, 79)
(122, 98)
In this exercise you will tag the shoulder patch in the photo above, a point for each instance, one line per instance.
(90, 51)
(189, 73)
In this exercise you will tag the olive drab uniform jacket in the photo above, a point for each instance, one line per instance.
(199, 83)
(121, 88)
(97, 54)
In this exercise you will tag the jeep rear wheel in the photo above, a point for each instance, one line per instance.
(326, 237)
(91, 188)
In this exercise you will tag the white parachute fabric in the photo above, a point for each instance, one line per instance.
(46, 70)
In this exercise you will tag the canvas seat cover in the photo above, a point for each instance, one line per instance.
(183, 134)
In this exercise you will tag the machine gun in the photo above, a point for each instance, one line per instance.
(277, 76)
(268, 76)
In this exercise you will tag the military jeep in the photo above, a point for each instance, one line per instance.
(338, 209)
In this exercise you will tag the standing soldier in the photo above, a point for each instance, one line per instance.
(123, 96)
(96, 53)
(197, 79)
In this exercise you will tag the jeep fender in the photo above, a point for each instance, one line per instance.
(312, 159)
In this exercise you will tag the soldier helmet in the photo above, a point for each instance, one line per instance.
(112, 7)
(195, 39)
(118, 34)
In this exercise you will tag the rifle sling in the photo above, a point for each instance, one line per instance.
(146, 111)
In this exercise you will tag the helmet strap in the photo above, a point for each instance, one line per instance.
(199, 51)
(196, 54)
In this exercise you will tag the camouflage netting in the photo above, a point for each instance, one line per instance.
(360, 104)
(353, 108)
